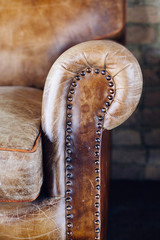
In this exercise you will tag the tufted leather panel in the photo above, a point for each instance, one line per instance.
(20, 144)
(34, 33)
(40, 220)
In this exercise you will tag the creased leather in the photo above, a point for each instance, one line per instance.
(20, 172)
(108, 55)
(39, 220)
(111, 56)
(20, 114)
(34, 33)
(21, 175)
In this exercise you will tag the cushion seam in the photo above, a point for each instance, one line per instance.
(23, 150)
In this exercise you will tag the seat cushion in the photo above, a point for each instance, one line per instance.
(20, 143)
(43, 219)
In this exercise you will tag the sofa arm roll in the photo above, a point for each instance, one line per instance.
(108, 55)
(93, 86)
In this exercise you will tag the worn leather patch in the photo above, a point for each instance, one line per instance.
(20, 144)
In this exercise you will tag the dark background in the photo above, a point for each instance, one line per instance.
(136, 143)
(134, 206)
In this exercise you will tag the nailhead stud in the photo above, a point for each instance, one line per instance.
(68, 137)
(100, 118)
(97, 140)
(110, 84)
(68, 159)
(96, 162)
(103, 110)
(110, 97)
(69, 123)
(69, 183)
(77, 77)
(69, 106)
(108, 77)
(88, 70)
(69, 175)
(97, 146)
(70, 99)
(68, 199)
(69, 216)
(97, 204)
(97, 214)
(97, 222)
(97, 71)
(108, 104)
(97, 170)
(68, 144)
(72, 91)
(68, 191)
(98, 179)
(69, 233)
(69, 130)
(69, 207)
(97, 196)
(111, 91)
(99, 125)
(83, 73)
(97, 238)
(97, 230)
(103, 72)
(96, 154)
(98, 132)
(69, 151)
(69, 167)
(98, 187)
(69, 225)
(74, 84)
(69, 115)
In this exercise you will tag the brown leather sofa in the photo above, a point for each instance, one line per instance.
(54, 180)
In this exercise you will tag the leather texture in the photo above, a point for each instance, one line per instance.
(34, 33)
(20, 144)
(20, 115)
(108, 55)
(43, 219)
(93, 86)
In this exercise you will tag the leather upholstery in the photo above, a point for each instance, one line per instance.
(43, 219)
(112, 57)
(34, 33)
(20, 144)
(20, 113)
(93, 86)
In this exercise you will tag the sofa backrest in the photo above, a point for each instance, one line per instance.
(34, 33)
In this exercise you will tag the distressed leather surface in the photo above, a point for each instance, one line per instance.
(40, 220)
(20, 113)
(34, 33)
(108, 55)
(20, 153)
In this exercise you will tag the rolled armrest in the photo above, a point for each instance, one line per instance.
(93, 86)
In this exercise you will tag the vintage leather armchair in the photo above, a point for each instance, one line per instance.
(54, 180)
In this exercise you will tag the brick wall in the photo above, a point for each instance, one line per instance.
(136, 143)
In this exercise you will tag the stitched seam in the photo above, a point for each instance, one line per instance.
(23, 150)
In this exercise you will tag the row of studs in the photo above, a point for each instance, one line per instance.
(69, 215)
(97, 152)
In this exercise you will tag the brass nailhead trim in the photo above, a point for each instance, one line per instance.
(98, 137)
(97, 153)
